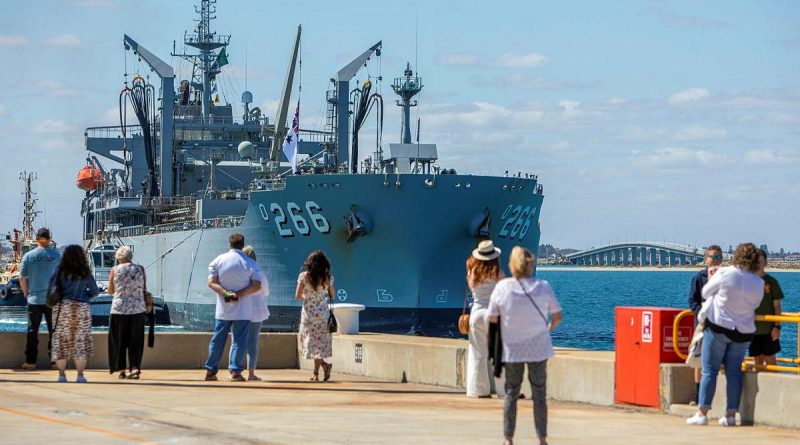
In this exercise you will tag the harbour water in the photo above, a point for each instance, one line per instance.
(588, 298)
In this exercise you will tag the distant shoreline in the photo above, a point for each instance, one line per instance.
(639, 269)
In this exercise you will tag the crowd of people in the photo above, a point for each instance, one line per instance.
(725, 301)
(509, 326)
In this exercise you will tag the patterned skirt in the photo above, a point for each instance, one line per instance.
(315, 337)
(72, 337)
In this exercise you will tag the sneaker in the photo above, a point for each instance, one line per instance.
(80, 379)
(253, 378)
(62, 379)
(28, 366)
(727, 421)
(211, 376)
(697, 419)
(236, 377)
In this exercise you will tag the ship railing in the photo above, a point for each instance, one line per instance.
(228, 221)
(112, 131)
(307, 161)
(786, 364)
(316, 136)
(168, 201)
(212, 120)
(267, 184)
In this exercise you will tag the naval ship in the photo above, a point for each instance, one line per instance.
(183, 170)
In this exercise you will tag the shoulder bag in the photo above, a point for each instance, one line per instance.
(148, 297)
(463, 320)
(333, 325)
(547, 323)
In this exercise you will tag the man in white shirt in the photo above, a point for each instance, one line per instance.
(232, 276)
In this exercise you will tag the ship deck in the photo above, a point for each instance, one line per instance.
(177, 407)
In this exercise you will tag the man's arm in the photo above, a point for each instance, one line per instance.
(213, 283)
(255, 286)
(23, 284)
(695, 295)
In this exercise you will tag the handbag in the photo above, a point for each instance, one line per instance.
(463, 319)
(54, 295)
(696, 347)
(148, 297)
(333, 325)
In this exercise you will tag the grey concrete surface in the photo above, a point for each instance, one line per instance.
(177, 407)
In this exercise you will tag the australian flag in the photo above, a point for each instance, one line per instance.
(290, 142)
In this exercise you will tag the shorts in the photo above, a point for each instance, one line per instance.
(763, 344)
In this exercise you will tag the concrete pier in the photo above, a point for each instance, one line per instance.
(386, 389)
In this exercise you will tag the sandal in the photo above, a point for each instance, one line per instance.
(315, 377)
(121, 375)
(134, 375)
(328, 367)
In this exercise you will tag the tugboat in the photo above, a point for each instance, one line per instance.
(21, 243)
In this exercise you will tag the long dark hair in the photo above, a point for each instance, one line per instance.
(318, 269)
(74, 264)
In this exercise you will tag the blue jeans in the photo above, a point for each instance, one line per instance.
(252, 345)
(238, 346)
(718, 349)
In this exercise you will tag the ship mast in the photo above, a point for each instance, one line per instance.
(407, 87)
(28, 212)
(207, 63)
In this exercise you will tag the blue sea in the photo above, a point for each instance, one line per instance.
(588, 298)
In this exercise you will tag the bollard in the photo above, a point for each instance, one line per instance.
(347, 317)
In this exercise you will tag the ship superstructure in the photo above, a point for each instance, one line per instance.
(189, 171)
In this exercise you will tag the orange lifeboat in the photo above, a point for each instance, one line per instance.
(89, 178)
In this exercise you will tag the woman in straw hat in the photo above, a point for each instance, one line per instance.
(483, 272)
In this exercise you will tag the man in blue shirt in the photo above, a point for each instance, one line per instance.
(34, 277)
(712, 258)
(232, 276)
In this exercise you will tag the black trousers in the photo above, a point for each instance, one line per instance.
(35, 312)
(125, 338)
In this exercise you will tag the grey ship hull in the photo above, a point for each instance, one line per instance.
(408, 270)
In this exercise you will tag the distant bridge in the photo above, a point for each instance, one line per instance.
(639, 254)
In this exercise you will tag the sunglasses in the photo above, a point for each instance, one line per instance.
(715, 257)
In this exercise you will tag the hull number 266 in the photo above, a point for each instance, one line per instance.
(516, 221)
(292, 220)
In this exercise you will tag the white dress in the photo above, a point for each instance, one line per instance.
(314, 333)
(480, 381)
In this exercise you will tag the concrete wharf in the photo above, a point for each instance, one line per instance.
(367, 401)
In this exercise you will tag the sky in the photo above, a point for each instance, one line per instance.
(673, 121)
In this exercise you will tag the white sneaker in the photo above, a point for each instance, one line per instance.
(727, 421)
(697, 419)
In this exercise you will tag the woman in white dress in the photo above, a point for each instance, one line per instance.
(483, 273)
(315, 290)
(259, 315)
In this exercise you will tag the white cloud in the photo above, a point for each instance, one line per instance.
(571, 108)
(3, 111)
(59, 146)
(672, 157)
(769, 156)
(688, 96)
(458, 59)
(54, 126)
(698, 133)
(13, 40)
(63, 41)
(56, 89)
(617, 100)
(513, 60)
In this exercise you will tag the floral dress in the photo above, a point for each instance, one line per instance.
(128, 295)
(314, 332)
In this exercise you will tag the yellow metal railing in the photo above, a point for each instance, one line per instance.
(789, 317)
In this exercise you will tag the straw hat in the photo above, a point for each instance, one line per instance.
(486, 251)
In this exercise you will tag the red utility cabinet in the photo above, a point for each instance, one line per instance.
(643, 341)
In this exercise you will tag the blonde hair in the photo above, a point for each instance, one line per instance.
(520, 262)
(124, 253)
(249, 251)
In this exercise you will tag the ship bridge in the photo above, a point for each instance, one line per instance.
(639, 254)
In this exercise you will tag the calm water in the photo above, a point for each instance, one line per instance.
(588, 299)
